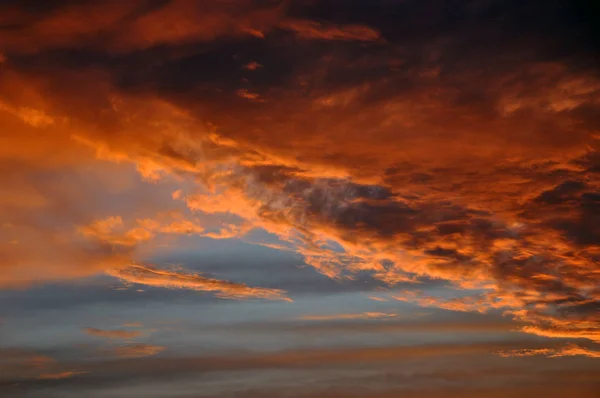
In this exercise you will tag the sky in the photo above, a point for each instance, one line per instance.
(299, 198)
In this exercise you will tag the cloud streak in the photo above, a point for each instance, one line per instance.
(139, 274)
(113, 334)
(137, 350)
(567, 351)
(364, 315)
(315, 30)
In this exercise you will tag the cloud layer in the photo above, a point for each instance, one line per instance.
(394, 141)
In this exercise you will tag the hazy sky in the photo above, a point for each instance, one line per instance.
(299, 199)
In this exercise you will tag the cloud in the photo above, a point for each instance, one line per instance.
(111, 230)
(143, 275)
(59, 376)
(31, 116)
(572, 332)
(133, 325)
(567, 351)
(18, 364)
(437, 154)
(364, 315)
(136, 26)
(137, 350)
(253, 65)
(315, 30)
(377, 298)
(390, 142)
(177, 22)
(113, 334)
(473, 249)
(243, 93)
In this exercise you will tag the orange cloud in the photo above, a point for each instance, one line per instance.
(243, 93)
(252, 65)
(567, 351)
(113, 334)
(23, 365)
(182, 227)
(377, 298)
(31, 116)
(576, 331)
(463, 304)
(111, 230)
(137, 350)
(178, 280)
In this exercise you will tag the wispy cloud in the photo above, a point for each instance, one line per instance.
(113, 334)
(567, 351)
(61, 375)
(316, 30)
(249, 95)
(137, 350)
(363, 315)
(133, 325)
(143, 275)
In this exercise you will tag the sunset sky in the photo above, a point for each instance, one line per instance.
(299, 198)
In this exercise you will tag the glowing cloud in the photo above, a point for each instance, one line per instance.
(142, 275)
